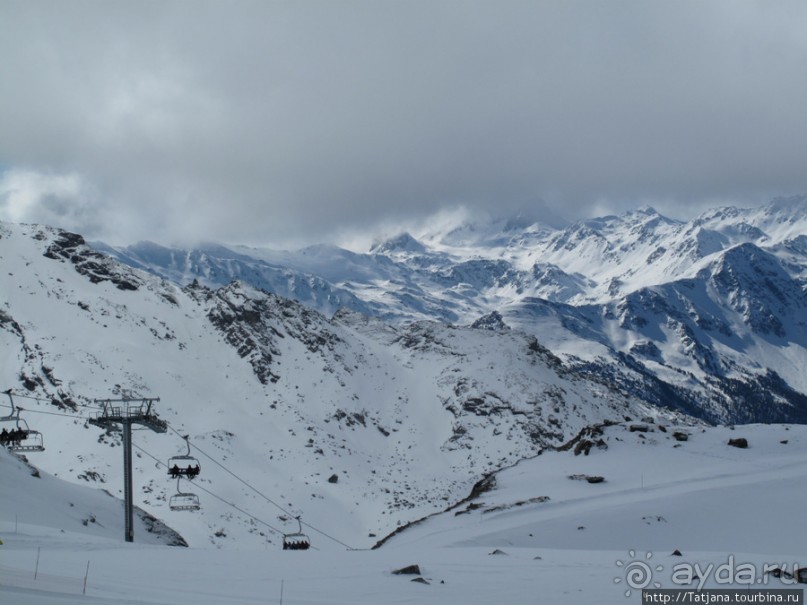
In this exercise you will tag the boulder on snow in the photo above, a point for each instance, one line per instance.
(333, 478)
(584, 446)
(589, 478)
(409, 570)
(740, 442)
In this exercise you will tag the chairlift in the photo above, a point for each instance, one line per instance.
(184, 465)
(184, 500)
(297, 540)
(18, 437)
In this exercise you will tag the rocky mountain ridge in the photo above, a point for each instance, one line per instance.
(346, 418)
(706, 315)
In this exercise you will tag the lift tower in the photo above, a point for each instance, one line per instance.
(111, 417)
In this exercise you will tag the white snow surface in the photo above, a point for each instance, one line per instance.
(557, 539)
(702, 305)
(357, 426)
(277, 399)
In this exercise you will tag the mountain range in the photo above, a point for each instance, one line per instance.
(290, 412)
(705, 316)
(367, 390)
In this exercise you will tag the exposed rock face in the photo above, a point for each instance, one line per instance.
(680, 314)
(740, 442)
(261, 375)
(254, 321)
(96, 266)
(492, 321)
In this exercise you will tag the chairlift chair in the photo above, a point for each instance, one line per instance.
(184, 500)
(184, 465)
(297, 540)
(19, 437)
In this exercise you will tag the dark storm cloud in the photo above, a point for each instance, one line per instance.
(266, 120)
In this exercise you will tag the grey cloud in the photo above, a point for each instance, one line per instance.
(268, 120)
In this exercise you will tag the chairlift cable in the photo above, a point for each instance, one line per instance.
(238, 508)
(30, 411)
(50, 400)
(264, 496)
(319, 531)
(216, 496)
(209, 457)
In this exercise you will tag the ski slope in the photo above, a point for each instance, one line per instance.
(406, 417)
(719, 505)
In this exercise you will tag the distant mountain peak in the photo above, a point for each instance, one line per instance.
(731, 290)
(492, 321)
(790, 205)
(649, 210)
(403, 242)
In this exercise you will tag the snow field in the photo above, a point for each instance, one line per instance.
(713, 502)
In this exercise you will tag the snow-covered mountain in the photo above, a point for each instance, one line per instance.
(357, 424)
(707, 316)
(652, 505)
(531, 449)
(440, 358)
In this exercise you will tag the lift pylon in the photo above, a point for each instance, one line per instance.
(122, 417)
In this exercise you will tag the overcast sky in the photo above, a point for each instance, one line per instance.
(274, 122)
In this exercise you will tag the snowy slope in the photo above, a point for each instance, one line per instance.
(358, 425)
(537, 534)
(35, 503)
(703, 315)
(362, 425)
(658, 494)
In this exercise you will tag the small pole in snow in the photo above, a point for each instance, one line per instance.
(36, 570)
(87, 573)
(281, 592)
